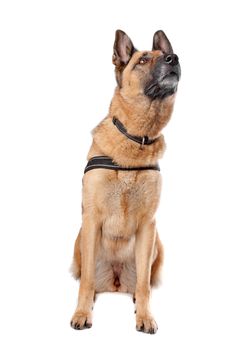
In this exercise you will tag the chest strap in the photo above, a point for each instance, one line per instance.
(107, 163)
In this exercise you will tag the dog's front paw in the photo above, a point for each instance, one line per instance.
(146, 323)
(81, 320)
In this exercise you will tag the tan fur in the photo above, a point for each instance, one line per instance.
(118, 247)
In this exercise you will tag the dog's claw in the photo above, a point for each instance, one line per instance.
(81, 321)
(140, 329)
(146, 325)
(77, 326)
(74, 325)
(152, 330)
(87, 324)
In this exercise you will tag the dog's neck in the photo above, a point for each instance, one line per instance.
(140, 115)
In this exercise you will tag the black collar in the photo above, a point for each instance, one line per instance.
(141, 140)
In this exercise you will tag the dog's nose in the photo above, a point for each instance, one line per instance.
(171, 59)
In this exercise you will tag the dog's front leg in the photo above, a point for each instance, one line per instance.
(144, 255)
(82, 317)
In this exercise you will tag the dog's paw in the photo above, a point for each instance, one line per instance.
(146, 324)
(81, 320)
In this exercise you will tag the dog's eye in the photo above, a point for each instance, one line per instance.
(143, 60)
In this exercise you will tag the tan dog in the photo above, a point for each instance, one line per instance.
(118, 247)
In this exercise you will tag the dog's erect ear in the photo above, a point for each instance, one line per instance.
(161, 42)
(123, 49)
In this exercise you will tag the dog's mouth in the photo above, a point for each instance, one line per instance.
(165, 84)
(169, 79)
(172, 74)
(165, 87)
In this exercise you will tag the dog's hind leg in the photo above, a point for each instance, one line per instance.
(75, 268)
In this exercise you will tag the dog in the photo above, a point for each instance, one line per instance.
(118, 247)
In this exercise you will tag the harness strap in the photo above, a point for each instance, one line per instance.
(107, 163)
(141, 140)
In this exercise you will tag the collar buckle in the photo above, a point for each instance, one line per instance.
(144, 140)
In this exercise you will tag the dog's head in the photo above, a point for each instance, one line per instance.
(154, 74)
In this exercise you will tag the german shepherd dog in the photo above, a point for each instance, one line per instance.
(118, 246)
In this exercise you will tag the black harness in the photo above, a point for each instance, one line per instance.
(106, 162)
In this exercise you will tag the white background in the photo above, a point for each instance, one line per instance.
(56, 83)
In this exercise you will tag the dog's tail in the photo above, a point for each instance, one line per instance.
(157, 264)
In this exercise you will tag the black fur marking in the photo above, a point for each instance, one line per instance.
(164, 79)
(154, 91)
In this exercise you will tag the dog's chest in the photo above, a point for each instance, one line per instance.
(126, 199)
(126, 193)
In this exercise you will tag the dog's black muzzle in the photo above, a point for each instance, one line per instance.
(164, 77)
